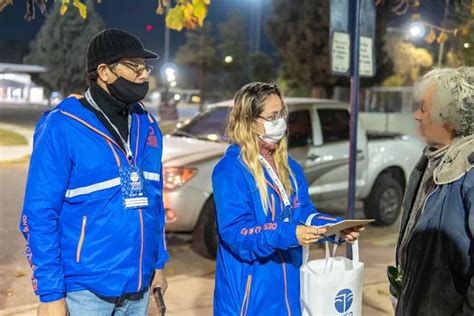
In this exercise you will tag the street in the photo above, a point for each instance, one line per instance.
(27, 115)
(23, 115)
(190, 276)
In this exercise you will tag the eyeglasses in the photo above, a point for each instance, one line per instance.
(137, 68)
(275, 116)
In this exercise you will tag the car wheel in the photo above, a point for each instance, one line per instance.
(385, 200)
(205, 237)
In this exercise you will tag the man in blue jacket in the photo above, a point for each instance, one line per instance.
(93, 215)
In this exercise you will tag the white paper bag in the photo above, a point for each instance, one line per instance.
(331, 286)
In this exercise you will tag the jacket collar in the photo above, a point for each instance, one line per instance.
(72, 108)
(456, 161)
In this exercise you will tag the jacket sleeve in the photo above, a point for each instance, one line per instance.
(468, 305)
(236, 225)
(307, 207)
(48, 178)
(163, 255)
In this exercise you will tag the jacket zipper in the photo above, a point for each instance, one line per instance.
(286, 285)
(245, 303)
(273, 207)
(81, 239)
(426, 200)
(141, 251)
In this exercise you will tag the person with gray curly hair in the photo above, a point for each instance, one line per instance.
(435, 250)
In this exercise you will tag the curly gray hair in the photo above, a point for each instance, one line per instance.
(453, 98)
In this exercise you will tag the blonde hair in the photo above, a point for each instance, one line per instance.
(249, 103)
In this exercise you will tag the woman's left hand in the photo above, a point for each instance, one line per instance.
(352, 234)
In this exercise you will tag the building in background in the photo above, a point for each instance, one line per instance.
(16, 85)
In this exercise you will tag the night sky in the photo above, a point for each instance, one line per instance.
(132, 16)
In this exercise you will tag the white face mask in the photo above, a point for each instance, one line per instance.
(274, 131)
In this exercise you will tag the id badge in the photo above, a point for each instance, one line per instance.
(133, 190)
(285, 214)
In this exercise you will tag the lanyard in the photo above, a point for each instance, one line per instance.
(275, 180)
(126, 144)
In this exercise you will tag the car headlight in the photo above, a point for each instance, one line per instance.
(177, 176)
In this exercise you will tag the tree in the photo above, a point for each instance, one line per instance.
(261, 68)
(61, 45)
(199, 53)
(462, 51)
(12, 51)
(409, 61)
(449, 33)
(185, 14)
(300, 32)
(233, 50)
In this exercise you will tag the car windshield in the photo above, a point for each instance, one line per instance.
(209, 125)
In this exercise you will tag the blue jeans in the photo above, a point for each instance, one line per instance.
(83, 303)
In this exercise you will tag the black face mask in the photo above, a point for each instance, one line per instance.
(127, 91)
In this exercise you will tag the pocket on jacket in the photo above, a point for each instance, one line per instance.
(81, 239)
(443, 288)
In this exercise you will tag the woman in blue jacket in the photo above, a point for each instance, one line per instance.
(262, 199)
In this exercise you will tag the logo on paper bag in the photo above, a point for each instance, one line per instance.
(343, 301)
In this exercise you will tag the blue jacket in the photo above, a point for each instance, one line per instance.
(438, 273)
(79, 236)
(258, 260)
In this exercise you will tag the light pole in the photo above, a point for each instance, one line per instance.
(441, 45)
(168, 73)
(167, 39)
(258, 23)
(255, 29)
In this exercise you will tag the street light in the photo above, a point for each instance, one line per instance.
(170, 74)
(171, 77)
(228, 59)
(416, 30)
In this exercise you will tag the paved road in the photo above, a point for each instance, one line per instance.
(12, 182)
(191, 277)
(29, 115)
(20, 114)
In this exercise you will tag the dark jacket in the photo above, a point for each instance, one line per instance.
(440, 256)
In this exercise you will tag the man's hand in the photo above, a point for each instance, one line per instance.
(308, 235)
(160, 280)
(56, 308)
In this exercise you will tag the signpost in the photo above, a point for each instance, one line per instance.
(352, 54)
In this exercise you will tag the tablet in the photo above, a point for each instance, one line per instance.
(346, 224)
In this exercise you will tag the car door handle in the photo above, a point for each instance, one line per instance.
(313, 157)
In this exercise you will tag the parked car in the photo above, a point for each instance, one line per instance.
(318, 140)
